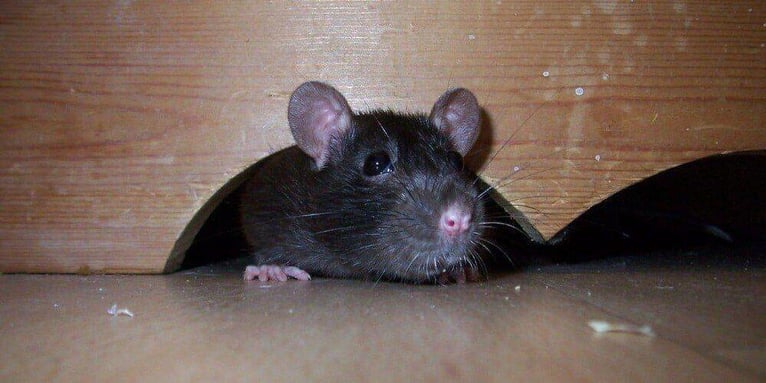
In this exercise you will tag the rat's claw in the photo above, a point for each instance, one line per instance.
(297, 273)
(266, 273)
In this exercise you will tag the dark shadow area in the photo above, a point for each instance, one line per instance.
(733, 257)
(221, 237)
(716, 202)
(482, 149)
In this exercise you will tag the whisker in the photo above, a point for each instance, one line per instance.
(496, 246)
(517, 130)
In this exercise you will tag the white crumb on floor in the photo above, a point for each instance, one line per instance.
(659, 287)
(604, 326)
(517, 288)
(114, 311)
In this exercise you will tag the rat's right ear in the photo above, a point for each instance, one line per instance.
(457, 114)
(318, 115)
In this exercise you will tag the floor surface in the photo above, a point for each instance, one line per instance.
(206, 324)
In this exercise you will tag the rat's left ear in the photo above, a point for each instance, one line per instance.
(457, 114)
(318, 115)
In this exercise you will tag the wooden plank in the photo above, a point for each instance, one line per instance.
(119, 120)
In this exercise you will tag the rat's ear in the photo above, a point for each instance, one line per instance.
(318, 115)
(457, 114)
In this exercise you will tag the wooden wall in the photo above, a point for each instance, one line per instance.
(120, 119)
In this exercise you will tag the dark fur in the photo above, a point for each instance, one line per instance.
(337, 222)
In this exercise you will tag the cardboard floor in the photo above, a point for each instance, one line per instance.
(206, 324)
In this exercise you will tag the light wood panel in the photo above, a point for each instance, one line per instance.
(120, 119)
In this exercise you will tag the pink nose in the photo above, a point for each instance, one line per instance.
(455, 220)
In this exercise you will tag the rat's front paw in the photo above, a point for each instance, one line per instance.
(266, 273)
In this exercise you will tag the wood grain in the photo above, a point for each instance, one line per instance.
(120, 119)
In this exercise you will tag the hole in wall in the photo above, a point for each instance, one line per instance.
(213, 234)
(714, 202)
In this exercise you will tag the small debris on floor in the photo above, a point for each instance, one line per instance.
(114, 311)
(604, 326)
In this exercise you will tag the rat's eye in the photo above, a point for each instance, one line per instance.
(377, 163)
(455, 159)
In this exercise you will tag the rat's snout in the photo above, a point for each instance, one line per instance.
(455, 220)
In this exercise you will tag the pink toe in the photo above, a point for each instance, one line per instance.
(250, 273)
(278, 274)
(266, 273)
(263, 275)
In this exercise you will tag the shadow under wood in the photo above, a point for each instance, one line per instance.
(717, 201)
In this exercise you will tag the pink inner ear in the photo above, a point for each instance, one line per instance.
(318, 114)
(457, 114)
(326, 120)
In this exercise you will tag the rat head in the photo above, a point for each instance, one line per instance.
(403, 206)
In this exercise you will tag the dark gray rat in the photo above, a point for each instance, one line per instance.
(374, 195)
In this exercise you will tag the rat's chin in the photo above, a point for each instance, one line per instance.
(459, 273)
(433, 267)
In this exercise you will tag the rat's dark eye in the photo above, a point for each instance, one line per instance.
(455, 159)
(377, 164)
